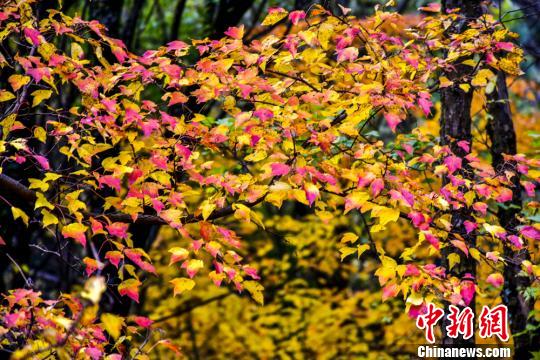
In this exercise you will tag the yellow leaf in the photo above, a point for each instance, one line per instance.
(112, 324)
(475, 253)
(465, 87)
(73, 202)
(346, 251)
(256, 156)
(453, 259)
(255, 289)
(39, 96)
(444, 82)
(40, 133)
(18, 81)
(181, 285)
(349, 237)
(42, 201)
(362, 249)
(494, 229)
(207, 208)
(46, 50)
(415, 299)
(7, 124)
(325, 34)
(76, 51)
(48, 218)
(469, 197)
(355, 200)
(93, 288)
(385, 214)
(178, 254)
(75, 231)
(38, 184)
(242, 212)
(6, 95)
(482, 77)
(387, 271)
(18, 213)
(274, 15)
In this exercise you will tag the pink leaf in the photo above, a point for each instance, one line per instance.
(432, 240)
(296, 16)
(507, 46)
(505, 195)
(495, 279)
(235, 32)
(114, 257)
(453, 163)
(110, 181)
(464, 145)
(389, 291)
(263, 114)
(431, 7)
(279, 169)
(33, 35)
(143, 321)
(392, 120)
(349, 53)
(376, 187)
(470, 226)
(43, 162)
(118, 229)
(177, 45)
(312, 192)
(252, 272)
(467, 291)
(530, 232)
(461, 246)
(425, 103)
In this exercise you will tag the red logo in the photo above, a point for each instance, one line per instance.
(429, 320)
(494, 322)
(491, 322)
(460, 322)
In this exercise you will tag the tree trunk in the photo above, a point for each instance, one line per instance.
(130, 27)
(226, 13)
(503, 141)
(456, 127)
(109, 14)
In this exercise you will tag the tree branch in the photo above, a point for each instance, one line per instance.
(13, 188)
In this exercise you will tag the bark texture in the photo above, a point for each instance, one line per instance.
(503, 141)
(456, 127)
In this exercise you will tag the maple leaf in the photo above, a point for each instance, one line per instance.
(355, 200)
(495, 279)
(76, 231)
(178, 254)
(274, 15)
(182, 285)
(296, 16)
(130, 288)
(235, 32)
(112, 324)
(92, 265)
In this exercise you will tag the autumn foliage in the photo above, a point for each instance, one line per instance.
(215, 141)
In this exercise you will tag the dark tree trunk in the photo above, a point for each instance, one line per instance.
(109, 14)
(456, 127)
(130, 28)
(226, 13)
(177, 22)
(503, 141)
